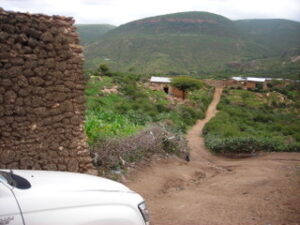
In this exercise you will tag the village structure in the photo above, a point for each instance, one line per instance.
(251, 82)
(164, 84)
(257, 82)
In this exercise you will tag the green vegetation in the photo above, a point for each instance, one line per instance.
(163, 53)
(101, 122)
(200, 44)
(126, 120)
(186, 83)
(92, 32)
(121, 105)
(104, 70)
(256, 121)
(278, 36)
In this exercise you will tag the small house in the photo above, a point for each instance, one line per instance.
(161, 83)
(249, 82)
(237, 81)
(253, 82)
(164, 84)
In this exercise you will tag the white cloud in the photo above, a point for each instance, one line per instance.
(120, 11)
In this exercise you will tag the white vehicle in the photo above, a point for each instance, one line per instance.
(60, 198)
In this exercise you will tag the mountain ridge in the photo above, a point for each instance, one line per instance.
(198, 43)
(92, 32)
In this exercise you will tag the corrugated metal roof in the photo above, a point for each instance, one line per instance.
(256, 79)
(238, 78)
(160, 80)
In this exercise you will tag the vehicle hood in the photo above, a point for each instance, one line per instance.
(65, 181)
(56, 191)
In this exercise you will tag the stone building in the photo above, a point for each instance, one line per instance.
(41, 94)
(164, 84)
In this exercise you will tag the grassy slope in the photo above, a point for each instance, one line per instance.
(92, 32)
(156, 53)
(280, 40)
(277, 35)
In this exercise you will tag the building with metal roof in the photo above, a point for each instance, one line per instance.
(256, 79)
(166, 80)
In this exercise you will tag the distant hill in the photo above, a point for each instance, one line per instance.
(92, 32)
(190, 22)
(277, 35)
(280, 40)
(200, 43)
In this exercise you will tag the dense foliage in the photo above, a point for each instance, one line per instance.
(186, 83)
(256, 121)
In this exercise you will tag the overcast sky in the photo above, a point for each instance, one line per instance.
(118, 12)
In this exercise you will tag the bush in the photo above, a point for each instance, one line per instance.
(100, 125)
(113, 153)
(249, 144)
(103, 69)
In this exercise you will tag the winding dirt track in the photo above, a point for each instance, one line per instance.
(212, 190)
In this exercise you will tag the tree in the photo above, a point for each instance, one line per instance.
(103, 70)
(186, 83)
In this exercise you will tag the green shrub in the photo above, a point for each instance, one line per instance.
(100, 125)
(251, 127)
(249, 144)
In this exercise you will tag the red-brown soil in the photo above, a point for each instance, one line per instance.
(213, 190)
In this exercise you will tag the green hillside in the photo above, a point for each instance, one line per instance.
(199, 43)
(92, 32)
(278, 35)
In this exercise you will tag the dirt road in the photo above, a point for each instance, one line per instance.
(212, 190)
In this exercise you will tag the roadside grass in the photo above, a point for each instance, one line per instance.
(255, 121)
(102, 124)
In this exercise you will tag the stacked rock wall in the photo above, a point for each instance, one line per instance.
(41, 94)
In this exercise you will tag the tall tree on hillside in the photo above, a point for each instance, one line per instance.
(185, 83)
(103, 70)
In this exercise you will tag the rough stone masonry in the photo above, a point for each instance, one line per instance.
(41, 94)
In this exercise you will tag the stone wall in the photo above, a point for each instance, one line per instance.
(41, 94)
